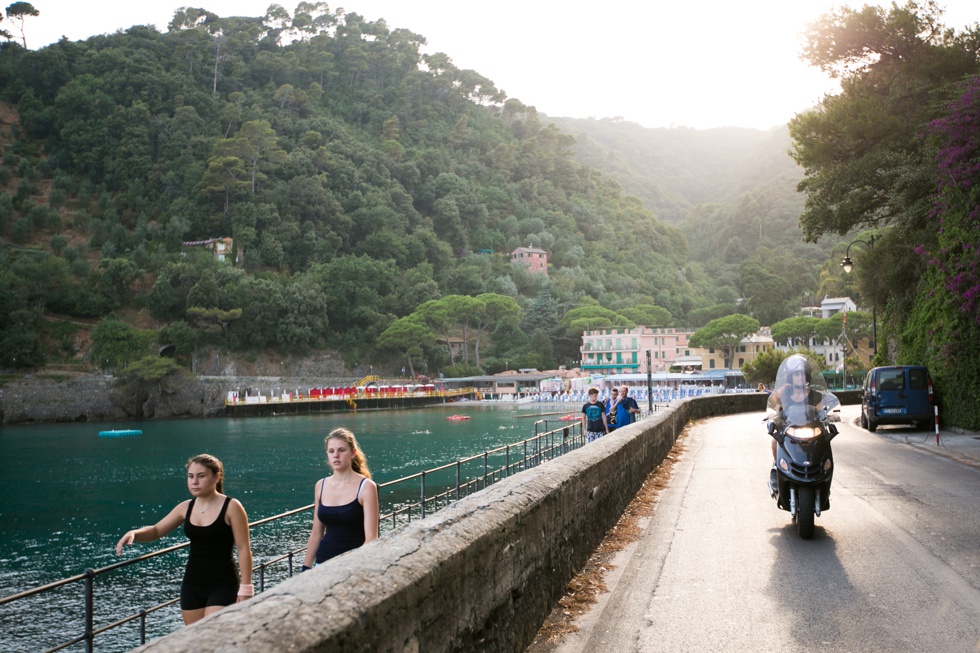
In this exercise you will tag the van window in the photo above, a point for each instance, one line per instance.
(891, 380)
(917, 379)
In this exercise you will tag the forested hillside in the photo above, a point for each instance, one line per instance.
(359, 180)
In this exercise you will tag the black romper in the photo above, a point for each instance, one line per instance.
(211, 577)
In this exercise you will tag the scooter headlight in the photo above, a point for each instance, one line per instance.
(803, 432)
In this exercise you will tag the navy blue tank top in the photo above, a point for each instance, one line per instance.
(345, 526)
(210, 560)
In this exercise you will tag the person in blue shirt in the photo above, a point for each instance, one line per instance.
(626, 407)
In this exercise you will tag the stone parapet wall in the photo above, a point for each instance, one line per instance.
(480, 575)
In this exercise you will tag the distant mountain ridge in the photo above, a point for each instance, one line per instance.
(674, 170)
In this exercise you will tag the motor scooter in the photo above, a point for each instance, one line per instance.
(804, 460)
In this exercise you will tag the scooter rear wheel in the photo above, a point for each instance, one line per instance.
(804, 511)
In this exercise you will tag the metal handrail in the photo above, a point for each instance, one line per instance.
(533, 451)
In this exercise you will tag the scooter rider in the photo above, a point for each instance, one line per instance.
(795, 393)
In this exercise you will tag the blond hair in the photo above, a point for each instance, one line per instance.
(358, 461)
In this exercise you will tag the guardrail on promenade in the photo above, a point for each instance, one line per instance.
(404, 499)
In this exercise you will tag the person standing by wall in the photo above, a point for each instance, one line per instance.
(594, 417)
(626, 407)
(346, 512)
(214, 523)
(611, 409)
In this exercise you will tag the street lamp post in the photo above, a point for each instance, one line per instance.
(848, 266)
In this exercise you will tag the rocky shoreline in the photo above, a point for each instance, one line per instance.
(100, 398)
(54, 396)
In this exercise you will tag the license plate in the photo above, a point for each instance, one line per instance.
(893, 411)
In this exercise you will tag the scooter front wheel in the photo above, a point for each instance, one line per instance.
(804, 511)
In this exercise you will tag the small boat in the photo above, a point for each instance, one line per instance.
(119, 433)
(568, 418)
(458, 418)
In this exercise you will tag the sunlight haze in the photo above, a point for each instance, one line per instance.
(698, 64)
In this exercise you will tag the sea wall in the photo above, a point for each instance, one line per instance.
(480, 575)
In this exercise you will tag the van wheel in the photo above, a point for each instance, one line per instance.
(872, 425)
(864, 420)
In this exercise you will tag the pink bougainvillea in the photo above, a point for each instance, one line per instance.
(958, 203)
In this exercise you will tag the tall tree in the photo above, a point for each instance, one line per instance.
(492, 310)
(259, 148)
(19, 12)
(864, 161)
(439, 316)
(795, 331)
(725, 334)
(408, 335)
(224, 174)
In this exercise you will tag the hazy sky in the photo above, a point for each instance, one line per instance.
(699, 63)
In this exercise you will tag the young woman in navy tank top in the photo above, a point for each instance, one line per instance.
(214, 524)
(345, 513)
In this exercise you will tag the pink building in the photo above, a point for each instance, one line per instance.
(534, 259)
(621, 350)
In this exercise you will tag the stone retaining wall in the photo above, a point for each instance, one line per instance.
(480, 575)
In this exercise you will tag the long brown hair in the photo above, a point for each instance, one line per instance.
(358, 461)
(212, 463)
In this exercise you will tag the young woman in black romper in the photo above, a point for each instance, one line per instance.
(214, 523)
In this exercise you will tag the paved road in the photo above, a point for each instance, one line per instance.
(894, 564)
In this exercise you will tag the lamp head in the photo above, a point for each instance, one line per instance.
(846, 264)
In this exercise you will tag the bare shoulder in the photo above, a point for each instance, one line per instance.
(370, 485)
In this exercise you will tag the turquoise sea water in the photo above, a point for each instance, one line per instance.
(68, 495)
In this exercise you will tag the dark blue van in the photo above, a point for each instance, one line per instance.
(897, 394)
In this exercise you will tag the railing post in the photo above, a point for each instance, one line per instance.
(485, 463)
(261, 576)
(457, 480)
(142, 626)
(89, 610)
(422, 488)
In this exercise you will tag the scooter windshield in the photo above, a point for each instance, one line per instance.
(800, 395)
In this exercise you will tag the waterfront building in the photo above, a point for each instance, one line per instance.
(622, 350)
